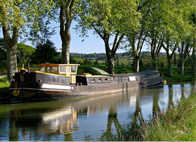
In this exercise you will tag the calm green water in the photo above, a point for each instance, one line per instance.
(109, 117)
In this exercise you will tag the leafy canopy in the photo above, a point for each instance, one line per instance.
(21, 13)
(108, 16)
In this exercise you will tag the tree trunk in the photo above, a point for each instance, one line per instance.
(111, 53)
(169, 70)
(111, 62)
(136, 63)
(11, 62)
(65, 49)
(193, 68)
(192, 62)
(155, 62)
(10, 45)
(65, 29)
(182, 66)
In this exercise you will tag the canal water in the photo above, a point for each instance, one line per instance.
(109, 117)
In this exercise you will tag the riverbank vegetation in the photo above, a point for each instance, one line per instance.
(4, 88)
(176, 124)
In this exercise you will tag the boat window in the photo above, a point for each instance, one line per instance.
(92, 79)
(100, 80)
(106, 79)
(73, 68)
(54, 69)
(48, 69)
(68, 69)
(41, 69)
(62, 68)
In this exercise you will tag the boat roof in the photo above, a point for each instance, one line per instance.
(52, 64)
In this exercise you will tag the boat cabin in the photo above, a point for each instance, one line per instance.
(69, 70)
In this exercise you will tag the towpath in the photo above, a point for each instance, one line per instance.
(1, 76)
(99, 70)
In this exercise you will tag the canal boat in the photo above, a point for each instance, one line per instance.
(59, 81)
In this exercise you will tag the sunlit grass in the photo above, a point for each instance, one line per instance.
(87, 69)
(4, 87)
(176, 124)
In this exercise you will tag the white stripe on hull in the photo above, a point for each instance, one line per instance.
(48, 87)
(42, 89)
(51, 86)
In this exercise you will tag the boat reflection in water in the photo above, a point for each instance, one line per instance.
(114, 117)
(63, 121)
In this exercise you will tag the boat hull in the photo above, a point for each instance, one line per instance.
(41, 91)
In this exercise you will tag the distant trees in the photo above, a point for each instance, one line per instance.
(46, 53)
(24, 53)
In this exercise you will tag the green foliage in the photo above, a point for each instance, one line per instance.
(3, 67)
(108, 16)
(43, 31)
(24, 53)
(46, 53)
(2, 50)
(18, 13)
(4, 87)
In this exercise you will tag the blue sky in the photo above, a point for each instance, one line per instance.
(91, 44)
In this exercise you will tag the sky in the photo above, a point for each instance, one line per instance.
(91, 44)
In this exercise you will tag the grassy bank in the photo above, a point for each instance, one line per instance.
(87, 69)
(176, 124)
(4, 87)
(3, 67)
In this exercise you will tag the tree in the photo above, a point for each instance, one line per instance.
(43, 31)
(49, 51)
(66, 17)
(24, 53)
(175, 26)
(185, 28)
(183, 50)
(192, 57)
(155, 36)
(110, 20)
(14, 16)
(170, 46)
(136, 38)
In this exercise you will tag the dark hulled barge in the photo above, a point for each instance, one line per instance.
(58, 81)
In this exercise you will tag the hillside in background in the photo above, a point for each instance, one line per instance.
(122, 59)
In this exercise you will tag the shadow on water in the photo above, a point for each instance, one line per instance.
(114, 117)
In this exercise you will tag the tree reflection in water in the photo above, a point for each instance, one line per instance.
(123, 133)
